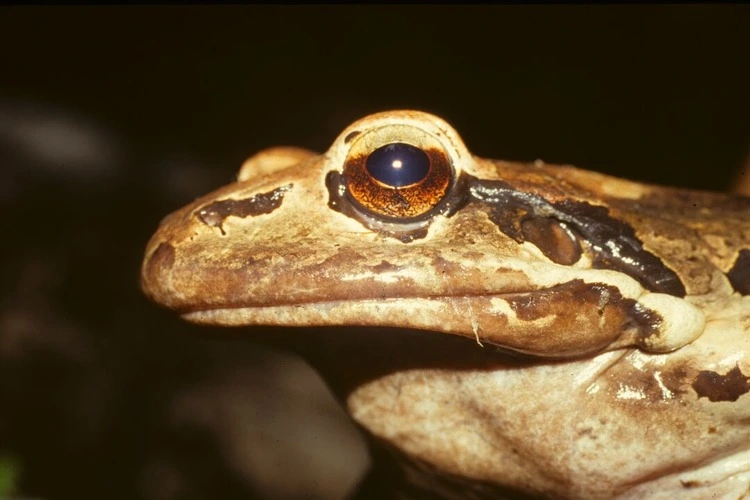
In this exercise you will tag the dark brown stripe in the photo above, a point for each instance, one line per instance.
(216, 213)
(555, 302)
(613, 242)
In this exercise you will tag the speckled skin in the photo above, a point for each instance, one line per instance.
(636, 408)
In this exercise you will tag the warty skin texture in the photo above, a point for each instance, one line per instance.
(482, 361)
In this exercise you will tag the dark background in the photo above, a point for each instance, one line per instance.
(112, 117)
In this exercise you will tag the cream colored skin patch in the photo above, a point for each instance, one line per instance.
(645, 398)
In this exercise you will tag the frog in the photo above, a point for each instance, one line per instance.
(496, 328)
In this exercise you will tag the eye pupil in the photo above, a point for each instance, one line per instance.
(398, 164)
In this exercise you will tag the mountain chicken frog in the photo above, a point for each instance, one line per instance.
(496, 328)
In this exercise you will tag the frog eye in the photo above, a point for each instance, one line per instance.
(397, 180)
(398, 165)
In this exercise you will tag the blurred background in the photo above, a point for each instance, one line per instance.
(111, 117)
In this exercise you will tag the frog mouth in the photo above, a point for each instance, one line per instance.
(562, 312)
(546, 322)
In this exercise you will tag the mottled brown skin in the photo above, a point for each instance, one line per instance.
(544, 329)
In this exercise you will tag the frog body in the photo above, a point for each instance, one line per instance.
(538, 328)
